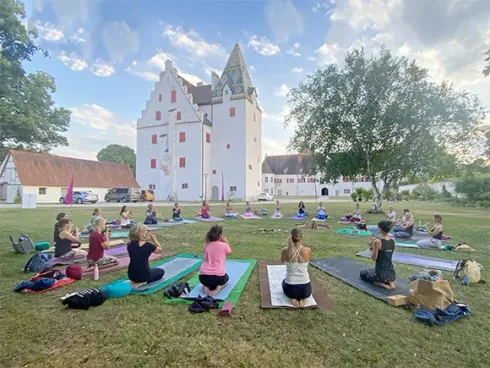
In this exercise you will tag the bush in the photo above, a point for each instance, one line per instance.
(360, 193)
(388, 195)
(476, 189)
(404, 195)
(367, 194)
(424, 193)
(354, 196)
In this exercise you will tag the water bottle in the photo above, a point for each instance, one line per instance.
(96, 272)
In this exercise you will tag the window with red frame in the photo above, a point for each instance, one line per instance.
(208, 137)
(346, 191)
(152, 186)
(158, 115)
(228, 146)
(179, 115)
(182, 162)
(311, 180)
(214, 172)
(233, 189)
(182, 137)
(278, 181)
(185, 186)
(232, 112)
(301, 180)
(290, 180)
(154, 139)
(173, 96)
(159, 97)
(153, 163)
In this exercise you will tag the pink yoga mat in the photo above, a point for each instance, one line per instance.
(123, 263)
(249, 217)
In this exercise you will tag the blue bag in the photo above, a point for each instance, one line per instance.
(38, 262)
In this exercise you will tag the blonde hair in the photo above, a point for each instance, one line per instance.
(293, 240)
(99, 224)
(95, 211)
(134, 232)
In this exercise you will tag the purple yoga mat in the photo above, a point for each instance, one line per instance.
(296, 217)
(211, 218)
(249, 217)
(117, 251)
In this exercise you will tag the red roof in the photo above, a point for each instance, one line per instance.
(40, 169)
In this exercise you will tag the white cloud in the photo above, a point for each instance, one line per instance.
(361, 14)
(278, 118)
(252, 67)
(49, 32)
(282, 90)
(330, 53)
(194, 79)
(102, 69)
(272, 147)
(73, 61)
(296, 70)
(192, 42)
(295, 50)
(69, 12)
(284, 19)
(158, 60)
(80, 36)
(119, 40)
(93, 127)
(263, 46)
(208, 70)
(139, 70)
(39, 6)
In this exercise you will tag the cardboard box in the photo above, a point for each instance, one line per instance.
(398, 300)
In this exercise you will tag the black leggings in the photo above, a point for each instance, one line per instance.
(297, 292)
(213, 281)
(156, 274)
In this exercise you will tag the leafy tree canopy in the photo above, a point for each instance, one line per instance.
(28, 118)
(382, 116)
(118, 154)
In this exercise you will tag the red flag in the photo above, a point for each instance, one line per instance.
(69, 193)
(222, 187)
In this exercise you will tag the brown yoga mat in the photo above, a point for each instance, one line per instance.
(323, 301)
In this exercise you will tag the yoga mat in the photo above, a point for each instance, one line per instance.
(235, 293)
(347, 270)
(250, 217)
(416, 260)
(212, 218)
(184, 221)
(276, 217)
(406, 245)
(318, 220)
(56, 285)
(296, 217)
(123, 263)
(114, 234)
(235, 271)
(350, 231)
(117, 251)
(231, 217)
(175, 268)
(272, 296)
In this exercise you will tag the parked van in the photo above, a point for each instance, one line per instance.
(123, 195)
(147, 195)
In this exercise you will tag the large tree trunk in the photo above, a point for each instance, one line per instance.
(378, 200)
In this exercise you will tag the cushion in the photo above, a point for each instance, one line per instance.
(40, 246)
(118, 290)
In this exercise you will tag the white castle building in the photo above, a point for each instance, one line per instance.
(288, 175)
(204, 141)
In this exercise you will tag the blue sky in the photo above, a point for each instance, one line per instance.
(106, 54)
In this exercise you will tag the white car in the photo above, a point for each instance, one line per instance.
(265, 197)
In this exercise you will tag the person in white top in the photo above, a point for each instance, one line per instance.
(125, 215)
(296, 286)
(277, 213)
(391, 215)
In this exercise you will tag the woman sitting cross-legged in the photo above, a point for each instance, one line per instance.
(436, 230)
(66, 241)
(229, 211)
(321, 214)
(212, 274)
(125, 217)
(98, 242)
(277, 212)
(205, 213)
(404, 229)
(142, 244)
(296, 286)
(176, 212)
(248, 209)
(382, 249)
(302, 209)
(151, 215)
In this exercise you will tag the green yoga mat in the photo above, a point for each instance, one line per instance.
(165, 282)
(234, 294)
(351, 231)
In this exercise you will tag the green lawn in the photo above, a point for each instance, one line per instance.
(141, 331)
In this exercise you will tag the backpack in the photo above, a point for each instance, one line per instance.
(177, 290)
(468, 272)
(38, 262)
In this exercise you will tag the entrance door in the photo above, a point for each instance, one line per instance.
(324, 192)
(279, 193)
(215, 193)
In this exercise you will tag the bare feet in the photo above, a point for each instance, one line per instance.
(392, 285)
(295, 303)
(382, 284)
(206, 290)
(136, 285)
(302, 303)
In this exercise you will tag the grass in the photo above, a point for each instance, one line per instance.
(141, 331)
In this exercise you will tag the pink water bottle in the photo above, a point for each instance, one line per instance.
(96, 272)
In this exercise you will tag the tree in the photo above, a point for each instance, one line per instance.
(118, 154)
(28, 118)
(379, 116)
(486, 71)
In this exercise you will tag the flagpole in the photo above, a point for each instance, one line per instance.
(222, 186)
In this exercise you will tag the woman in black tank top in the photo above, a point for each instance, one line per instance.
(382, 249)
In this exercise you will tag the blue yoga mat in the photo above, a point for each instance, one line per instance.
(114, 234)
(184, 221)
(235, 271)
(296, 217)
(406, 245)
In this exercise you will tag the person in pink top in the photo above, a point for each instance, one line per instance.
(212, 274)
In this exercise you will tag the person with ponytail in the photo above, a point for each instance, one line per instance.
(212, 274)
(296, 286)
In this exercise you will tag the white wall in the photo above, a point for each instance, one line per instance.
(229, 130)
(53, 194)
(253, 150)
(268, 187)
(10, 180)
(450, 187)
